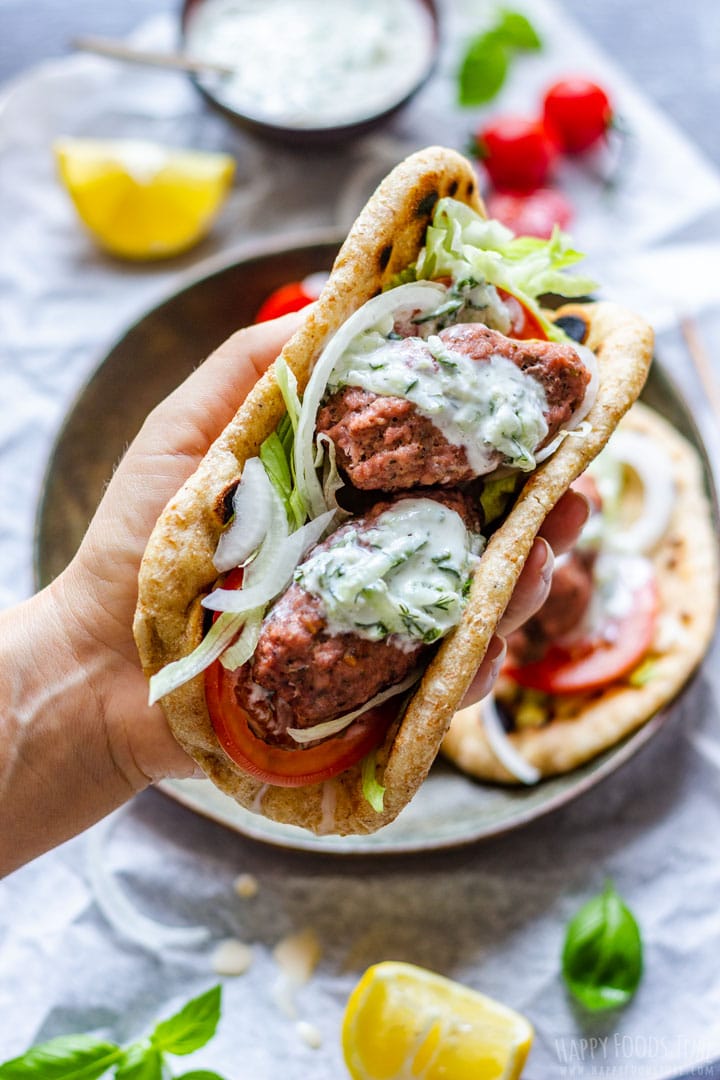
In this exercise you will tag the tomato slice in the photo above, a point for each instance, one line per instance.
(278, 765)
(275, 764)
(595, 663)
(525, 324)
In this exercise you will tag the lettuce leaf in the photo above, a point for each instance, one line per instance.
(373, 792)
(461, 244)
(276, 452)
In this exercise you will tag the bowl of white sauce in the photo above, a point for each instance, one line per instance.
(311, 70)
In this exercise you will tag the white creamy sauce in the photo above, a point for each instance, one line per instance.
(246, 886)
(310, 63)
(328, 806)
(488, 408)
(616, 580)
(407, 575)
(232, 957)
(309, 1033)
(257, 804)
(467, 301)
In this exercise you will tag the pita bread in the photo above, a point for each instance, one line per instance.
(177, 569)
(686, 566)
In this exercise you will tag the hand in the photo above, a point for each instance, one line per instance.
(77, 737)
(78, 733)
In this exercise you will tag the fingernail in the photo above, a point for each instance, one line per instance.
(497, 661)
(546, 570)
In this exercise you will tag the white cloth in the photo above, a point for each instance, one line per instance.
(492, 916)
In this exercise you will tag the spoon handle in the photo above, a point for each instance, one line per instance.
(175, 61)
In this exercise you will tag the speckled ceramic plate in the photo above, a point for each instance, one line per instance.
(144, 365)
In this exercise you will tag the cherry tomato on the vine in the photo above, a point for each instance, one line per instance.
(533, 213)
(518, 154)
(578, 113)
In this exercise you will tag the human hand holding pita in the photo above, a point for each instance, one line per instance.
(78, 737)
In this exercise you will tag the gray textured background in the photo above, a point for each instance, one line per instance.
(672, 50)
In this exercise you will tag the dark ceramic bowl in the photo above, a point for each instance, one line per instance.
(309, 136)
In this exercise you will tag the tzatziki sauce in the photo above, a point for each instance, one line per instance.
(489, 409)
(312, 63)
(407, 575)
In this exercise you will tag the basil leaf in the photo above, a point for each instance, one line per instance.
(516, 30)
(484, 66)
(200, 1074)
(483, 70)
(192, 1027)
(142, 1061)
(69, 1057)
(602, 956)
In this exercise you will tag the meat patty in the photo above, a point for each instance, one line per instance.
(384, 443)
(301, 674)
(564, 609)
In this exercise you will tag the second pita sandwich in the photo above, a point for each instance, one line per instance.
(630, 615)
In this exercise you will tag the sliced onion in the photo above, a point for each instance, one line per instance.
(575, 422)
(652, 465)
(239, 653)
(278, 574)
(314, 284)
(122, 915)
(590, 362)
(332, 727)
(503, 748)
(210, 648)
(582, 429)
(422, 296)
(252, 504)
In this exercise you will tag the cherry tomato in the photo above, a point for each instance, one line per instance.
(578, 113)
(525, 325)
(533, 214)
(291, 297)
(277, 765)
(518, 154)
(596, 663)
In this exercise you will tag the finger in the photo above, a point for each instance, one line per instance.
(190, 418)
(532, 588)
(563, 524)
(486, 675)
(179, 432)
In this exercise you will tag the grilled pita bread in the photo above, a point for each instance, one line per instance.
(177, 570)
(686, 567)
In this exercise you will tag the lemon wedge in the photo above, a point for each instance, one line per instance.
(141, 200)
(405, 1023)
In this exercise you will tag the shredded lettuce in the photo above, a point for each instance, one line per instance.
(373, 792)
(496, 495)
(276, 452)
(461, 244)
(210, 648)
